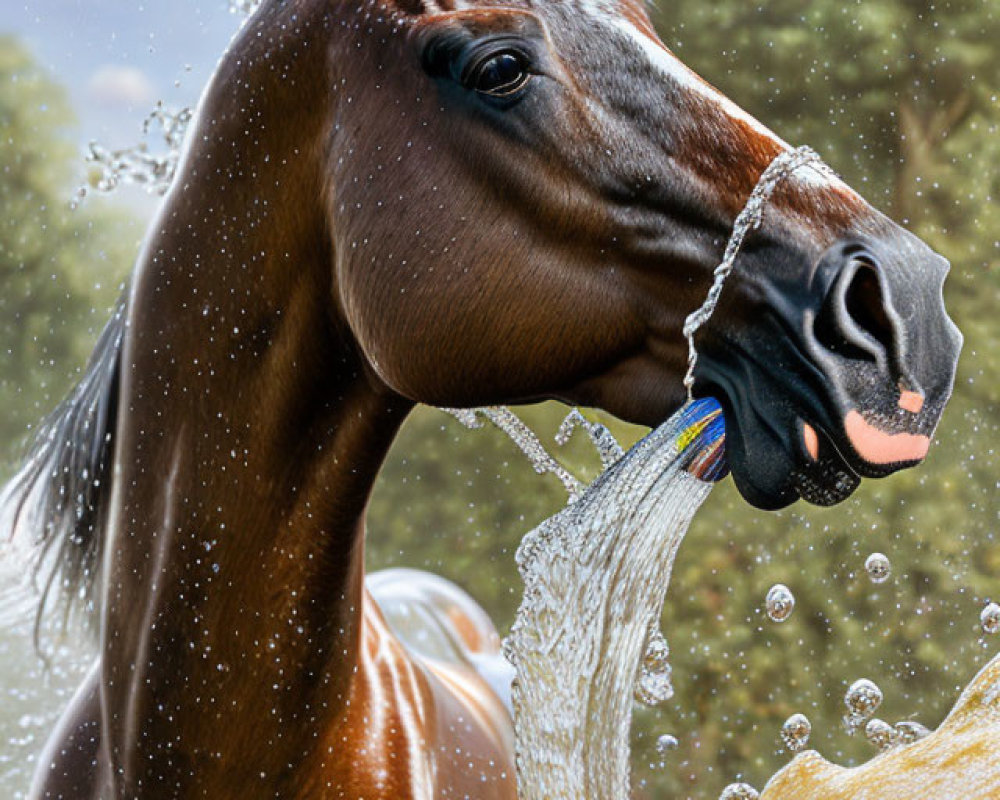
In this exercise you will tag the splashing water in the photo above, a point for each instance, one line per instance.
(739, 791)
(989, 618)
(795, 732)
(779, 603)
(245, 7)
(595, 577)
(862, 700)
(908, 731)
(653, 685)
(665, 743)
(880, 734)
(585, 640)
(152, 168)
(525, 438)
(608, 448)
(878, 568)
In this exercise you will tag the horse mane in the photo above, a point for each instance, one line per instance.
(59, 496)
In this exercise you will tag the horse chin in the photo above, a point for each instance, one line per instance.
(771, 465)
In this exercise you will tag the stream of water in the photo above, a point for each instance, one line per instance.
(586, 638)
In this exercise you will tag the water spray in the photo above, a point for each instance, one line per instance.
(586, 640)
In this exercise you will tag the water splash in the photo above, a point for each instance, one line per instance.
(665, 743)
(595, 576)
(878, 567)
(244, 7)
(795, 732)
(653, 684)
(152, 167)
(739, 791)
(862, 700)
(989, 618)
(526, 440)
(880, 734)
(779, 603)
(908, 731)
(608, 448)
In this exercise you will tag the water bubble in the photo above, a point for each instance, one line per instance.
(878, 567)
(665, 743)
(139, 164)
(862, 700)
(653, 685)
(989, 619)
(795, 732)
(739, 791)
(880, 733)
(908, 731)
(243, 7)
(779, 602)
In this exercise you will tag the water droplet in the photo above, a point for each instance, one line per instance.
(665, 743)
(653, 685)
(990, 618)
(862, 700)
(878, 567)
(880, 733)
(780, 602)
(795, 732)
(908, 731)
(604, 441)
(739, 791)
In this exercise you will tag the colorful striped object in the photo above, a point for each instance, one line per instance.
(702, 439)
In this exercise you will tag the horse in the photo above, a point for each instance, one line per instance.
(452, 202)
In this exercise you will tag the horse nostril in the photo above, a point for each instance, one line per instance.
(866, 307)
(853, 321)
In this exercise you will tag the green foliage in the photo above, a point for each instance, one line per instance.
(59, 268)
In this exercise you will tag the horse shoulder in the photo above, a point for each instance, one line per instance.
(415, 728)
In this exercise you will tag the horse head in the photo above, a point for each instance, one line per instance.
(530, 197)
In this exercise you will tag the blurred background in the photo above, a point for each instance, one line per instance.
(899, 96)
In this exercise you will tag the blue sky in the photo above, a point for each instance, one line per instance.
(116, 58)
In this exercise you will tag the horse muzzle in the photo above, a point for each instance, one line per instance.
(836, 375)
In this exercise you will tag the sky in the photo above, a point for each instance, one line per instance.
(117, 58)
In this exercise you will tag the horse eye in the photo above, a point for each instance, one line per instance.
(500, 75)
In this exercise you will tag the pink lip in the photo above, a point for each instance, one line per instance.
(878, 447)
(911, 401)
(810, 440)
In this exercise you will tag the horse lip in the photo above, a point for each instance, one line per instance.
(826, 476)
(881, 448)
(860, 446)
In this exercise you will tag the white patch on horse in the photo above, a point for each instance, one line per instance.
(675, 70)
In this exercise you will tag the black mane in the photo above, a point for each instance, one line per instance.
(59, 497)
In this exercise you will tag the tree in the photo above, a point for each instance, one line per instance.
(60, 268)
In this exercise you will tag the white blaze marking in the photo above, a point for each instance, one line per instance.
(679, 74)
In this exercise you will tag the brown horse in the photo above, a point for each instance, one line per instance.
(455, 202)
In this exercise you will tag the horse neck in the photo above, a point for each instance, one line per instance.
(250, 439)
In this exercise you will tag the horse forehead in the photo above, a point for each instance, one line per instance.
(622, 29)
(641, 67)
